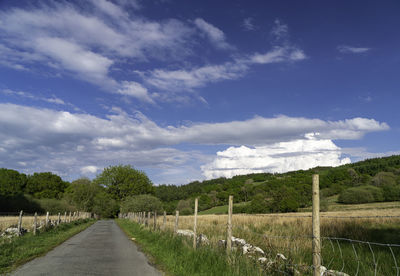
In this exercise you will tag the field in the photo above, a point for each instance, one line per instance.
(27, 221)
(290, 234)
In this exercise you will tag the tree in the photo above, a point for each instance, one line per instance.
(81, 193)
(104, 205)
(141, 203)
(123, 181)
(45, 185)
(12, 183)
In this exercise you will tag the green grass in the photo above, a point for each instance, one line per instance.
(175, 256)
(219, 210)
(22, 249)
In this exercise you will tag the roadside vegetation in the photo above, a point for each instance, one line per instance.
(20, 250)
(175, 255)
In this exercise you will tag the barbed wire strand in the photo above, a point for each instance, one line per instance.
(395, 261)
(373, 258)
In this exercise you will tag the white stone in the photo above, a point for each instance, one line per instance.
(281, 256)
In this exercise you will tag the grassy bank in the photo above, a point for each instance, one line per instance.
(175, 256)
(22, 249)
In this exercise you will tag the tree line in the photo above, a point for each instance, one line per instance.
(123, 188)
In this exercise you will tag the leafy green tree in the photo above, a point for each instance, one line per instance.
(361, 194)
(104, 205)
(81, 193)
(12, 183)
(185, 207)
(286, 199)
(123, 181)
(258, 205)
(45, 185)
(384, 179)
(140, 203)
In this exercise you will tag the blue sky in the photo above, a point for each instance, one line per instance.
(195, 90)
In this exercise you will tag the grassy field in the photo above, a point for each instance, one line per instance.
(290, 234)
(175, 255)
(27, 221)
(22, 249)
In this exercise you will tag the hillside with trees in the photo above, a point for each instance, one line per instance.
(372, 180)
(125, 188)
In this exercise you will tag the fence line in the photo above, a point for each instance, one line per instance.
(306, 253)
(31, 222)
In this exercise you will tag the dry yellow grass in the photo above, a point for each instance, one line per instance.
(27, 221)
(289, 233)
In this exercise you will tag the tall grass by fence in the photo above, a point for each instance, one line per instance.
(349, 245)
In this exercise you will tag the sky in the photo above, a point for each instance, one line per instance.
(194, 90)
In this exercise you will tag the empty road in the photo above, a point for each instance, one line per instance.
(101, 249)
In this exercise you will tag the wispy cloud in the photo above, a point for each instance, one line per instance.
(280, 31)
(52, 99)
(66, 38)
(214, 34)
(248, 24)
(345, 49)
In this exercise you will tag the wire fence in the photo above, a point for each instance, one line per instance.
(26, 222)
(340, 256)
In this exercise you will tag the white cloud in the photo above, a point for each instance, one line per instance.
(89, 170)
(352, 50)
(135, 89)
(186, 80)
(66, 38)
(215, 35)
(89, 65)
(248, 24)
(278, 157)
(55, 100)
(278, 54)
(68, 142)
(280, 31)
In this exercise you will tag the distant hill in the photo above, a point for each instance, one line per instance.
(371, 180)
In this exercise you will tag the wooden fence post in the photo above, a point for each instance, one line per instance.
(148, 219)
(59, 219)
(155, 221)
(20, 223)
(229, 226)
(65, 217)
(164, 220)
(196, 204)
(47, 219)
(316, 242)
(35, 224)
(69, 219)
(176, 222)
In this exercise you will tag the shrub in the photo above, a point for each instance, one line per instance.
(391, 192)
(186, 212)
(361, 194)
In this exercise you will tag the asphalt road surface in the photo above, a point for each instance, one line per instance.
(101, 249)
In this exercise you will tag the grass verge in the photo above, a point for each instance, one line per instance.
(23, 249)
(174, 255)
